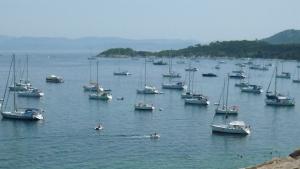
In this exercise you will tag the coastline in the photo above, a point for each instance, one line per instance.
(290, 162)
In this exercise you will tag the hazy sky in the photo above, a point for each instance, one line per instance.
(203, 20)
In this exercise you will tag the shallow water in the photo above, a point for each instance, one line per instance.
(66, 138)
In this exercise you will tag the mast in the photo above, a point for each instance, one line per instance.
(14, 59)
(97, 76)
(227, 93)
(90, 71)
(27, 69)
(275, 90)
(145, 72)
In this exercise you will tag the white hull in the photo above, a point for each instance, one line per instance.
(248, 90)
(227, 112)
(230, 129)
(21, 116)
(144, 107)
(196, 101)
(100, 96)
(29, 94)
(147, 90)
(122, 73)
(283, 102)
(173, 86)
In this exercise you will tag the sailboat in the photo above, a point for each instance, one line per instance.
(233, 127)
(23, 85)
(171, 73)
(195, 99)
(30, 92)
(120, 72)
(100, 95)
(148, 89)
(224, 108)
(92, 86)
(18, 113)
(298, 77)
(283, 75)
(189, 93)
(275, 98)
(251, 88)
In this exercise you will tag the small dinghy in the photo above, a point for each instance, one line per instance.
(154, 136)
(99, 127)
(120, 98)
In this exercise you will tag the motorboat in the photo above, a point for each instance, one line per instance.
(99, 127)
(252, 89)
(259, 67)
(154, 136)
(54, 79)
(147, 90)
(176, 86)
(144, 106)
(160, 62)
(209, 75)
(238, 71)
(197, 101)
(237, 76)
(234, 127)
(32, 92)
(217, 67)
(191, 69)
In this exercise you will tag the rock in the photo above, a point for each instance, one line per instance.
(295, 154)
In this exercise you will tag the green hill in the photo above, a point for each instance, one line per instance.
(290, 36)
(238, 49)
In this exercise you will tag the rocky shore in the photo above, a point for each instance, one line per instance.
(290, 162)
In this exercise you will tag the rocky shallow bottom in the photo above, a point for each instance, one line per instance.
(290, 162)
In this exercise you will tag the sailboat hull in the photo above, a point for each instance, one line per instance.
(229, 130)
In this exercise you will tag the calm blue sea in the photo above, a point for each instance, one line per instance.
(66, 138)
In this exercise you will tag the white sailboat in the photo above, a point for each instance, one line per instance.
(275, 98)
(18, 113)
(297, 80)
(148, 89)
(92, 86)
(121, 72)
(195, 99)
(251, 88)
(283, 75)
(189, 92)
(233, 127)
(142, 105)
(31, 91)
(224, 108)
(100, 95)
(22, 85)
(171, 73)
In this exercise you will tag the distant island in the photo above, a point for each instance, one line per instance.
(238, 49)
(283, 45)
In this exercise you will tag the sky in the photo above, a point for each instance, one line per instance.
(201, 20)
